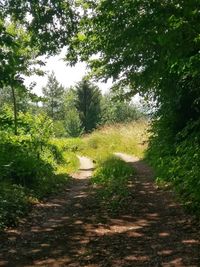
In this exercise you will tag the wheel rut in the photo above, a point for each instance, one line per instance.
(72, 229)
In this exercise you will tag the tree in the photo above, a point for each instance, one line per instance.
(50, 31)
(53, 93)
(24, 35)
(17, 59)
(87, 103)
(151, 46)
(116, 110)
(72, 124)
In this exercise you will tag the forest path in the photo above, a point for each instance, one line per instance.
(74, 229)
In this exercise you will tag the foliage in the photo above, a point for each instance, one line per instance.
(29, 164)
(151, 47)
(59, 128)
(17, 56)
(53, 93)
(112, 174)
(13, 203)
(176, 161)
(48, 32)
(118, 111)
(69, 147)
(22, 158)
(24, 98)
(73, 124)
(139, 42)
(25, 35)
(88, 104)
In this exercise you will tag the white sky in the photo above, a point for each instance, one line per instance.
(65, 75)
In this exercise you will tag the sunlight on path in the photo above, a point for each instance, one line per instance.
(73, 229)
(85, 169)
(126, 157)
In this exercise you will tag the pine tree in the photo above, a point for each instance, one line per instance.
(53, 93)
(88, 104)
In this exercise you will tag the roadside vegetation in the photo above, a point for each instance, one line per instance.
(176, 161)
(39, 143)
(30, 165)
(129, 138)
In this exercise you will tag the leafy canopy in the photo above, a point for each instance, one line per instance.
(139, 43)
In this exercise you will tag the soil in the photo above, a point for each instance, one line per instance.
(73, 229)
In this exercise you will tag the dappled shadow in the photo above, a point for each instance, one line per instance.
(74, 230)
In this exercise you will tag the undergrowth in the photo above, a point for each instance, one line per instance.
(32, 166)
(176, 161)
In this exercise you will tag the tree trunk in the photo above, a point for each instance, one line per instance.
(14, 109)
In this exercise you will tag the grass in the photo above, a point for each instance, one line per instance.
(128, 138)
(112, 176)
(68, 147)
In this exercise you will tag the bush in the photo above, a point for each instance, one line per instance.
(28, 164)
(177, 160)
(13, 203)
(67, 147)
(25, 158)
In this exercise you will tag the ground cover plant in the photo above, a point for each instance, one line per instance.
(69, 147)
(112, 175)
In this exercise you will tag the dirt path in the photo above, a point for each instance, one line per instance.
(74, 230)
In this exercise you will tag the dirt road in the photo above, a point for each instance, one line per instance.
(73, 230)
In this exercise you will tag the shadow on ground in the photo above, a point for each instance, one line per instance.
(74, 230)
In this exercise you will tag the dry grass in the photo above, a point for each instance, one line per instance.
(129, 138)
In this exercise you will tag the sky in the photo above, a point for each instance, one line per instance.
(66, 75)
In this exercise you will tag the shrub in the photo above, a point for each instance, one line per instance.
(177, 160)
(13, 203)
(72, 124)
(28, 164)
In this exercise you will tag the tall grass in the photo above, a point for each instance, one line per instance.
(68, 147)
(128, 138)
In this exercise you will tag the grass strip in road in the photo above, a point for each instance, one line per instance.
(111, 178)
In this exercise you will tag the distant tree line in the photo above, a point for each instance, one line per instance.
(82, 108)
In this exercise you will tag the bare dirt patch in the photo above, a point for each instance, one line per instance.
(73, 230)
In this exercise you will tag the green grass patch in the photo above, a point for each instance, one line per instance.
(129, 138)
(112, 176)
(68, 147)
